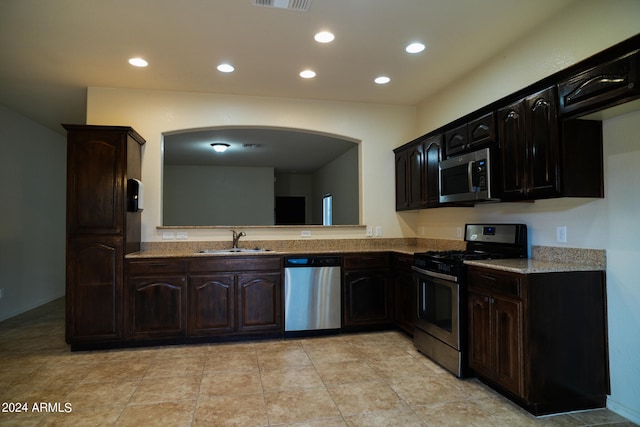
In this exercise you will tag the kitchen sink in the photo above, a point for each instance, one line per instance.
(233, 250)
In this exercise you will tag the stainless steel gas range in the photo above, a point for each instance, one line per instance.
(441, 328)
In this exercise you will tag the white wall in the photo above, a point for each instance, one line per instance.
(609, 223)
(32, 230)
(380, 128)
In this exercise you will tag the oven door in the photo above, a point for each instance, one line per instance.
(438, 306)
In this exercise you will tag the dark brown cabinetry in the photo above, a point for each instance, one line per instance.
(402, 179)
(478, 133)
(604, 85)
(100, 230)
(156, 299)
(212, 304)
(406, 307)
(367, 291)
(417, 176)
(529, 145)
(540, 338)
(239, 295)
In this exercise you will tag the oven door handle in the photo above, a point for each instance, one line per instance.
(428, 273)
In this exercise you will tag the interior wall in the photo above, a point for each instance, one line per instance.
(340, 178)
(380, 128)
(32, 231)
(218, 195)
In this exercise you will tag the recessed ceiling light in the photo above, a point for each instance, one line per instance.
(324, 37)
(138, 62)
(226, 68)
(382, 80)
(220, 147)
(307, 74)
(415, 48)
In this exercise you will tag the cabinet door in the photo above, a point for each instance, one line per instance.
(402, 181)
(456, 140)
(406, 306)
(211, 304)
(482, 131)
(607, 84)
(511, 131)
(415, 157)
(94, 289)
(157, 307)
(432, 156)
(259, 302)
(366, 298)
(506, 317)
(95, 182)
(542, 145)
(480, 352)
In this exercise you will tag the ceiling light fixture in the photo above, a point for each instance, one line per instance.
(220, 147)
(138, 62)
(225, 68)
(307, 74)
(415, 48)
(382, 80)
(324, 37)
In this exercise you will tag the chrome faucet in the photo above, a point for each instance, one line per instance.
(236, 237)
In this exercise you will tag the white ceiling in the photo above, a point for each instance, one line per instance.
(53, 50)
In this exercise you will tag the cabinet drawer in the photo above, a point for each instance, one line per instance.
(456, 140)
(603, 85)
(155, 266)
(234, 263)
(374, 260)
(495, 281)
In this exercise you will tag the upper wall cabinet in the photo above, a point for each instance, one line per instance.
(417, 182)
(477, 133)
(542, 157)
(528, 133)
(604, 85)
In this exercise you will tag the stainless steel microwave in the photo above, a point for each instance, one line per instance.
(467, 178)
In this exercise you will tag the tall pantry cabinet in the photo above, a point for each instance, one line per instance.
(100, 228)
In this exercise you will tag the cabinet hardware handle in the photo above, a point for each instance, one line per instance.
(540, 103)
(484, 276)
(486, 299)
(512, 115)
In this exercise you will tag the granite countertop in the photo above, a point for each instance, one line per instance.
(544, 259)
(531, 266)
(406, 250)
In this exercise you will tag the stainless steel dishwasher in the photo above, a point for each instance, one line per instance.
(312, 295)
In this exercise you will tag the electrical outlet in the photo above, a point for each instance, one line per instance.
(305, 233)
(561, 234)
(378, 231)
(422, 230)
(182, 235)
(168, 235)
(369, 231)
(459, 232)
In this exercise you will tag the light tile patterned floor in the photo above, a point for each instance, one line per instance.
(373, 379)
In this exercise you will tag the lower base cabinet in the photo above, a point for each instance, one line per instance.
(212, 304)
(541, 339)
(205, 297)
(367, 292)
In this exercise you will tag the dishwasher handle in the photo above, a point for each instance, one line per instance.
(312, 261)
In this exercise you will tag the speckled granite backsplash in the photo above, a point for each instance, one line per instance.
(570, 255)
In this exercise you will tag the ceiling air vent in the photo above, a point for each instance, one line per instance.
(297, 5)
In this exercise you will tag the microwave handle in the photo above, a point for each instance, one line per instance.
(470, 176)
